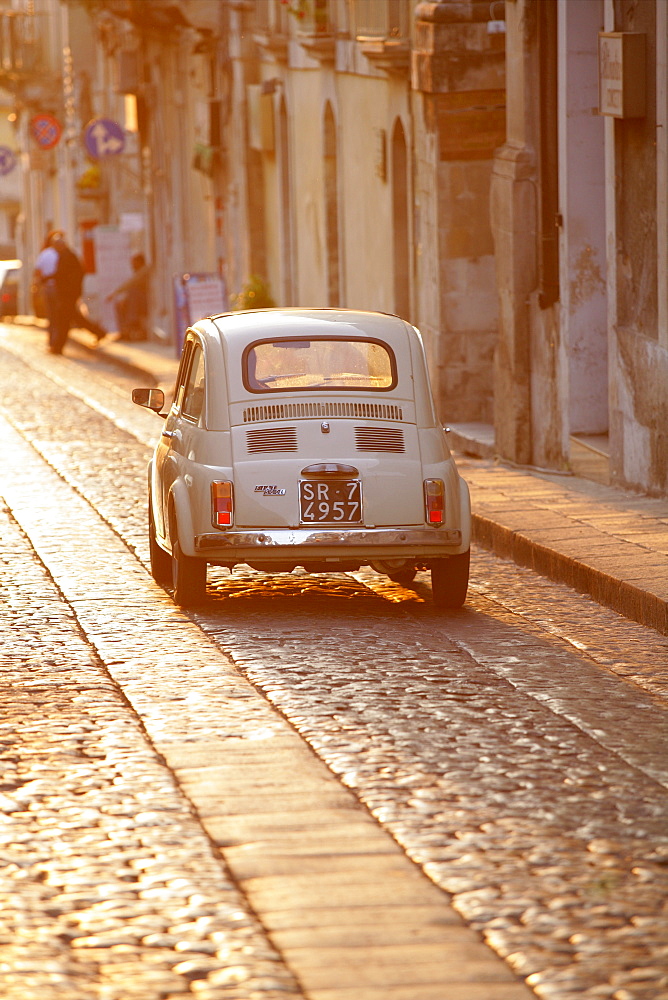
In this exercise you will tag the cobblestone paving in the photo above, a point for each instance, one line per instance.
(551, 838)
(556, 850)
(109, 888)
(619, 645)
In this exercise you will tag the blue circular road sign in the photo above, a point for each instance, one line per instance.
(104, 137)
(7, 160)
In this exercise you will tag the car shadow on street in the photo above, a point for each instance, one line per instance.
(247, 591)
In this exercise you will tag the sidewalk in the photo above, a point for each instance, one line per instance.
(600, 540)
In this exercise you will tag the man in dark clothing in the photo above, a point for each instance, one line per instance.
(67, 312)
(68, 283)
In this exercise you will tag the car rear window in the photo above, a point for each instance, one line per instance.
(319, 363)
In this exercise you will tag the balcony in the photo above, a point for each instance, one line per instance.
(20, 48)
(393, 55)
(158, 15)
(382, 33)
(271, 28)
(23, 68)
(315, 32)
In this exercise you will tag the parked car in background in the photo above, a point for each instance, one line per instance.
(9, 288)
(305, 438)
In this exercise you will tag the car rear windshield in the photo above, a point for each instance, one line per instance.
(319, 363)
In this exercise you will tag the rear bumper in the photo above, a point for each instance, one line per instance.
(277, 545)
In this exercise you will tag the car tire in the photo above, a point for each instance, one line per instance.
(161, 561)
(404, 577)
(450, 580)
(188, 578)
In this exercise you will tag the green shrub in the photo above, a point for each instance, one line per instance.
(254, 295)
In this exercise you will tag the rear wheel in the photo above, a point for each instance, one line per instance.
(188, 578)
(161, 563)
(188, 573)
(450, 580)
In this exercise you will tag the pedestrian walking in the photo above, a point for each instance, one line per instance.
(45, 278)
(84, 321)
(132, 301)
(68, 283)
(67, 310)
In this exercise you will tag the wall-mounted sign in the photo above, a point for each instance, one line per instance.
(7, 160)
(621, 74)
(195, 296)
(45, 130)
(104, 137)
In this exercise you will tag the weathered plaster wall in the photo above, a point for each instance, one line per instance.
(638, 354)
(514, 211)
(306, 125)
(459, 81)
(584, 321)
(426, 260)
(547, 396)
(368, 107)
(639, 413)
(468, 291)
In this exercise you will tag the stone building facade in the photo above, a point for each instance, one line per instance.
(367, 167)
(579, 218)
(496, 172)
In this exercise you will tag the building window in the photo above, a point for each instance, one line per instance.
(317, 17)
(273, 16)
(382, 18)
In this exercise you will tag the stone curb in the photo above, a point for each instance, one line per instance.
(623, 597)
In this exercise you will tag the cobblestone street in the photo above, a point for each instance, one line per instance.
(109, 886)
(315, 786)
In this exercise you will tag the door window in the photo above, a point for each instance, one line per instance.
(193, 396)
(182, 374)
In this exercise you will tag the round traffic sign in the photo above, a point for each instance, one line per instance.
(45, 130)
(104, 137)
(7, 160)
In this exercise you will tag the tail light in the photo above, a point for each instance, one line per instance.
(221, 504)
(434, 501)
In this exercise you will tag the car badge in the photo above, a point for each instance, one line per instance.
(270, 491)
(324, 427)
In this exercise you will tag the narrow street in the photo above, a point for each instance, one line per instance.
(315, 786)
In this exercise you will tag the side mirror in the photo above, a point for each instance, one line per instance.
(152, 399)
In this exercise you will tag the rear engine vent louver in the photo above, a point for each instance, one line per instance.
(271, 439)
(379, 439)
(293, 411)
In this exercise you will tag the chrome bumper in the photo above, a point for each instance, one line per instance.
(275, 543)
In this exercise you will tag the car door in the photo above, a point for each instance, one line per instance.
(170, 445)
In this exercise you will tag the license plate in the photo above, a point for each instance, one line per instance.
(337, 502)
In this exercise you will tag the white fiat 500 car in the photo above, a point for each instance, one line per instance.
(305, 437)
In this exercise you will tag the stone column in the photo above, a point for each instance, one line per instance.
(514, 224)
(459, 114)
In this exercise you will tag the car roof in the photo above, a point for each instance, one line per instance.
(226, 336)
(245, 326)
